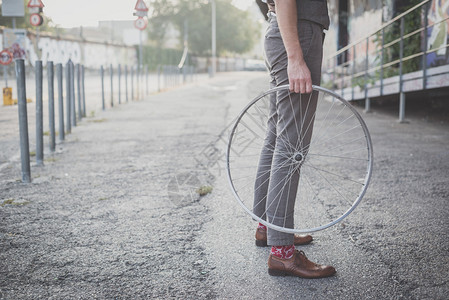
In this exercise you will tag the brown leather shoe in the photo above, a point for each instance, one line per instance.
(261, 238)
(298, 265)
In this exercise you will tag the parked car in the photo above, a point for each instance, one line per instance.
(255, 65)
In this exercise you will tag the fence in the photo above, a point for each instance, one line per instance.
(394, 59)
(119, 84)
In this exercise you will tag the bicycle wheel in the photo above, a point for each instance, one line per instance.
(330, 174)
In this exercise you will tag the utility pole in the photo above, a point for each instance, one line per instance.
(214, 38)
(141, 11)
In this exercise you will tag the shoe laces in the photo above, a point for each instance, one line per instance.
(306, 259)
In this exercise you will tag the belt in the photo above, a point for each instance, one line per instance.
(273, 14)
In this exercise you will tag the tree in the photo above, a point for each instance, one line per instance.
(236, 32)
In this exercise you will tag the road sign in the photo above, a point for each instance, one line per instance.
(34, 10)
(140, 13)
(36, 20)
(13, 8)
(141, 23)
(5, 57)
(141, 6)
(36, 3)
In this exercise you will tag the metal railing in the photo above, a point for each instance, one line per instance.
(379, 61)
(71, 101)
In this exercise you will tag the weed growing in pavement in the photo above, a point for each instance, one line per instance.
(204, 190)
(99, 120)
(13, 202)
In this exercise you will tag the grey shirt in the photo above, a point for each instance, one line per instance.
(311, 10)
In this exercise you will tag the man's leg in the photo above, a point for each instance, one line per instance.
(285, 170)
(266, 157)
(294, 130)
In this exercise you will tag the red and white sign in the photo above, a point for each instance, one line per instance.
(5, 57)
(36, 20)
(141, 6)
(141, 14)
(36, 3)
(141, 23)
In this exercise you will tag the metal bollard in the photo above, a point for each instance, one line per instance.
(5, 74)
(175, 75)
(60, 102)
(83, 91)
(126, 82)
(23, 121)
(138, 81)
(402, 107)
(167, 77)
(78, 86)
(39, 116)
(159, 78)
(102, 87)
(67, 95)
(119, 84)
(184, 74)
(72, 93)
(367, 105)
(132, 83)
(146, 79)
(51, 104)
(164, 73)
(112, 85)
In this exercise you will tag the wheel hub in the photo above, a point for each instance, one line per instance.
(299, 157)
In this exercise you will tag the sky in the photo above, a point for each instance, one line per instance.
(75, 13)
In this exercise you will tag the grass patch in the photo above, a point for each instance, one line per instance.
(204, 190)
(12, 202)
(99, 121)
(47, 133)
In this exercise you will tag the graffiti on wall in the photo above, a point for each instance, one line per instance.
(14, 40)
(92, 55)
(437, 33)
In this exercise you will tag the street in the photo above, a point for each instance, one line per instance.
(113, 213)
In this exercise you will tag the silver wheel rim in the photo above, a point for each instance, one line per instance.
(364, 159)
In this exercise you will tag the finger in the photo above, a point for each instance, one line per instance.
(298, 87)
(302, 88)
(309, 87)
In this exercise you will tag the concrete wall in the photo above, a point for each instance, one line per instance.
(60, 50)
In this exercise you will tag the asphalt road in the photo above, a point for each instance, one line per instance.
(114, 213)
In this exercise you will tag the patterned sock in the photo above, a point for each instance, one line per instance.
(284, 252)
(261, 226)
